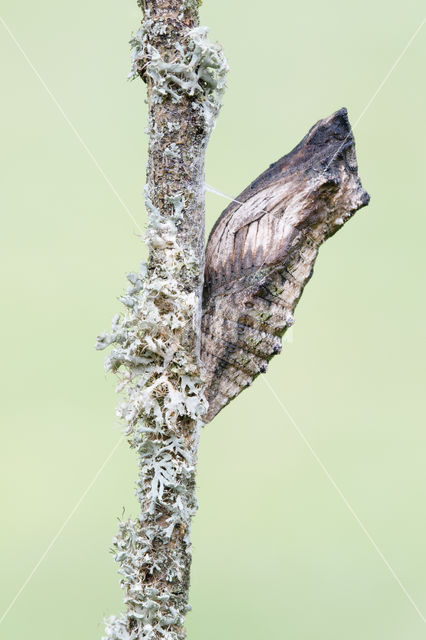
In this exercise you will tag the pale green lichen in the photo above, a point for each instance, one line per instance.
(197, 70)
(159, 385)
(172, 151)
(158, 373)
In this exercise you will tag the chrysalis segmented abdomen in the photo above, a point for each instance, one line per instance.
(261, 253)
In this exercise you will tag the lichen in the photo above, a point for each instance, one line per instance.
(197, 69)
(154, 341)
(159, 384)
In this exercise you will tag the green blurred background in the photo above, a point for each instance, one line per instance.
(277, 553)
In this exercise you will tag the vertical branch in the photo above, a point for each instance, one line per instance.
(157, 341)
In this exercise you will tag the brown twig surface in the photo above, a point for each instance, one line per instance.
(157, 341)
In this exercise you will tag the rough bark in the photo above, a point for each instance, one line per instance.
(157, 342)
(262, 250)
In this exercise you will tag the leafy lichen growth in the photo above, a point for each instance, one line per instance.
(154, 342)
(197, 69)
(159, 384)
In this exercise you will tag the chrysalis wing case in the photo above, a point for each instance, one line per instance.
(261, 252)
